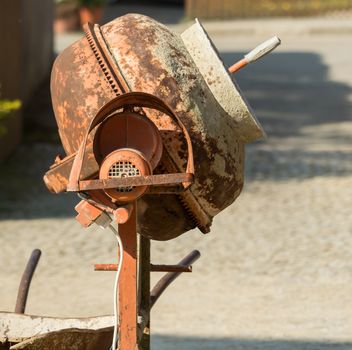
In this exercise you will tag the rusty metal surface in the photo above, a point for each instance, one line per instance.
(128, 302)
(148, 180)
(87, 213)
(162, 217)
(56, 178)
(78, 90)
(106, 62)
(135, 99)
(26, 280)
(152, 59)
(128, 130)
(155, 60)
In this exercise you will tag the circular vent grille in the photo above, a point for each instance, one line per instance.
(123, 169)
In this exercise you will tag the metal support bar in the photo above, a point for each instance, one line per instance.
(170, 268)
(105, 267)
(26, 281)
(134, 307)
(166, 280)
(144, 288)
(153, 268)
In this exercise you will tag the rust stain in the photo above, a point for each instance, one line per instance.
(152, 59)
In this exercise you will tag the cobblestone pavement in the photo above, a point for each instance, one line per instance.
(276, 271)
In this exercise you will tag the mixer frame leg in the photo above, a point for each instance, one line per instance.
(128, 285)
(144, 289)
(134, 293)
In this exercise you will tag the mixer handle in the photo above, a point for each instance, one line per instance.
(134, 99)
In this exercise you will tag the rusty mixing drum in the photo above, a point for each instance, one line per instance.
(194, 97)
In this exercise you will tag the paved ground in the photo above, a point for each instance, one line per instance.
(276, 271)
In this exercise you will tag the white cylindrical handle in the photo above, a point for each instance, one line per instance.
(263, 49)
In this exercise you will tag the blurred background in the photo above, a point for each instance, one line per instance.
(276, 270)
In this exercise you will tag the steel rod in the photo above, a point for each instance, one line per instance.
(153, 268)
(144, 289)
(256, 54)
(159, 179)
(105, 267)
(170, 268)
(167, 279)
(238, 65)
(25, 283)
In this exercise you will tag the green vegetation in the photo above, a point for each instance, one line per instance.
(6, 106)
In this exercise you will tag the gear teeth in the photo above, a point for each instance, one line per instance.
(114, 86)
(101, 62)
(189, 212)
(186, 207)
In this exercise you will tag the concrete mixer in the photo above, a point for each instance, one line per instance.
(154, 129)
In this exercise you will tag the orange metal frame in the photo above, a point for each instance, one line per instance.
(128, 284)
(134, 294)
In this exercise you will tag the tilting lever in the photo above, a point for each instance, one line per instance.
(257, 53)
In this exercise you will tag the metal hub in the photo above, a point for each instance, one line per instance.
(125, 163)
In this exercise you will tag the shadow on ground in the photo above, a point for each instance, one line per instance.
(290, 93)
(303, 113)
(166, 342)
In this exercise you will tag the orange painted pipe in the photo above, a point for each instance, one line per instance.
(238, 65)
(256, 54)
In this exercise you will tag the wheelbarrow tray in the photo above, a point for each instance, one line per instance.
(46, 333)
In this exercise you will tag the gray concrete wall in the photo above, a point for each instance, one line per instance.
(26, 46)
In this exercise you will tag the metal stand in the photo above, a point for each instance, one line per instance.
(135, 296)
